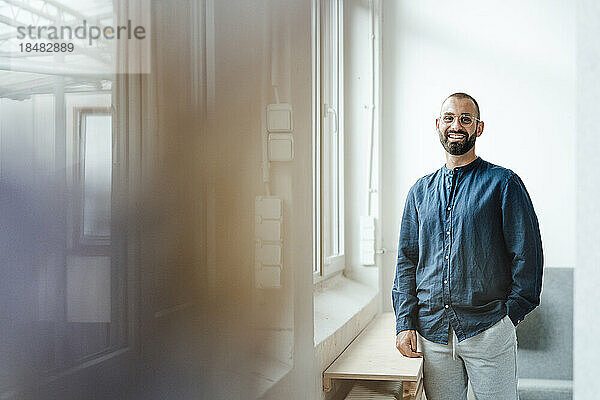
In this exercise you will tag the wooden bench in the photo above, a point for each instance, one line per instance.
(373, 356)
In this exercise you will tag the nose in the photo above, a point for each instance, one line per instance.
(455, 125)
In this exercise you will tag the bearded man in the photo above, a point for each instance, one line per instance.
(469, 266)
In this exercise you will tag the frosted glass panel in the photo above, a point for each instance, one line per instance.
(97, 176)
(88, 289)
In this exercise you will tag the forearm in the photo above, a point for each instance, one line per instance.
(518, 307)
(404, 299)
(404, 291)
(526, 285)
(524, 243)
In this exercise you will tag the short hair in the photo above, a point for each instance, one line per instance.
(461, 95)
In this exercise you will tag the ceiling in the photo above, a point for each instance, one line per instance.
(25, 73)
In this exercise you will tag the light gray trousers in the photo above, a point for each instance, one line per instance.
(488, 360)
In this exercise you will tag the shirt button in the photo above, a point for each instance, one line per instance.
(447, 232)
(446, 257)
(446, 306)
(445, 281)
(449, 208)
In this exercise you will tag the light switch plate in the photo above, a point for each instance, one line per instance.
(281, 147)
(267, 207)
(279, 117)
(268, 249)
(367, 240)
(271, 254)
(268, 277)
(268, 230)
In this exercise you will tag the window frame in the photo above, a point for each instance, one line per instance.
(81, 244)
(328, 139)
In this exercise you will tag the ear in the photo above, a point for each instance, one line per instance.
(479, 128)
(437, 124)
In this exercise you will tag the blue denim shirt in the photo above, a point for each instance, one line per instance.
(469, 253)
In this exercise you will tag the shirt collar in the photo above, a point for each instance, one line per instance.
(463, 168)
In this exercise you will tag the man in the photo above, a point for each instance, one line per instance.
(469, 266)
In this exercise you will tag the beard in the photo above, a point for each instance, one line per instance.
(457, 148)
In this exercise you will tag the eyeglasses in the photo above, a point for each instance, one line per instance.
(464, 119)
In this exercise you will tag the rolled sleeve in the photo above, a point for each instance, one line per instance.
(524, 245)
(404, 296)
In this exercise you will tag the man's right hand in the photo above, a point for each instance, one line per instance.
(406, 343)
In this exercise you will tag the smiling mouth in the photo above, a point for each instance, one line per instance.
(456, 137)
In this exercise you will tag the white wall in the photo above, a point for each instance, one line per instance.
(517, 59)
(357, 136)
(247, 37)
(587, 274)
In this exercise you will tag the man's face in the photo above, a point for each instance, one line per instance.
(458, 137)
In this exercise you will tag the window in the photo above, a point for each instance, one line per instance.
(73, 272)
(328, 151)
(93, 181)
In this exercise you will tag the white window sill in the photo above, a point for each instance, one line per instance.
(342, 309)
(334, 267)
(267, 372)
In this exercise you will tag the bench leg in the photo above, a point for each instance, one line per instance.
(326, 384)
(413, 390)
(419, 395)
